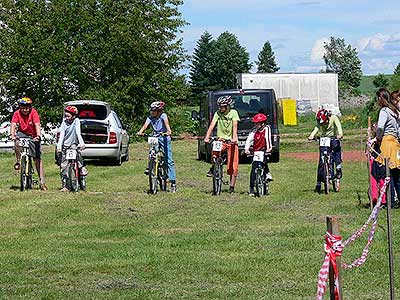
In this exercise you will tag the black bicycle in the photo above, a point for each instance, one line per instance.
(26, 169)
(328, 170)
(218, 160)
(75, 180)
(261, 183)
(156, 165)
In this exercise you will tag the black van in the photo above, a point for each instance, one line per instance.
(247, 103)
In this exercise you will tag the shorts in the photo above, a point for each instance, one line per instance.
(35, 149)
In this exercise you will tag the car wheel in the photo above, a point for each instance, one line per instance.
(126, 158)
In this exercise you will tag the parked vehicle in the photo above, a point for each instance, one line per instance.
(248, 103)
(104, 134)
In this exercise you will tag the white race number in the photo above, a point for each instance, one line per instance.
(152, 140)
(325, 142)
(70, 154)
(258, 156)
(217, 146)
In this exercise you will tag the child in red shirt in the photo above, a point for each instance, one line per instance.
(25, 123)
(260, 139)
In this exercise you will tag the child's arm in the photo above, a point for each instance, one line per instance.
(268, 142)
(79, 134)
(249, 142)
(211, 128)
(313, 133)
(61, 138)
(235, 130)
(166, 123)
(144, 127)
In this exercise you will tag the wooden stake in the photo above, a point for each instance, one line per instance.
(389, 231)
(332, 225)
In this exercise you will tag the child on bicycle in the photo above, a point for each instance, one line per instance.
(330, 126)
(70, 134)
(226, 119)
(25, 123)
(260, 139)
(161, 128)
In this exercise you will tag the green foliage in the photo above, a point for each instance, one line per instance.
(343, 60)
(397, 70)
(266, 60)
(215, 63)
(395, 83)
(58, 50)
(380, 81)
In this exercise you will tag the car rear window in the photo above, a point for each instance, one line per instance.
(88, 111)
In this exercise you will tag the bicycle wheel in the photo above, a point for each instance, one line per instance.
(217, 176)
(29, 177)
(259, 183)
(326, 177)
(336, 185)
(153, 176)
(82, 183)
(72, 181)
(23, 174)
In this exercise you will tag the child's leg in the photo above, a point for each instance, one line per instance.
(253, 175)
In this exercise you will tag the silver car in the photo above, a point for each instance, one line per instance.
(103, 132)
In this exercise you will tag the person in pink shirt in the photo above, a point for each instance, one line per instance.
(25, 123)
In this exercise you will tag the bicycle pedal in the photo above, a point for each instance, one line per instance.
(35, 181)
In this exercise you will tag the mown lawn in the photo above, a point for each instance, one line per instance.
(117, 242)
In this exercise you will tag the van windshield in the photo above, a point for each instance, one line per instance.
(249, 105)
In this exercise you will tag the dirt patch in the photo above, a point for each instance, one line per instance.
(356, 155)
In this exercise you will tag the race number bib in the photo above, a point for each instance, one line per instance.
(70, 154)
(23, 142)
(152, 140)
(325, 142)
(217, 146)
(258, 156)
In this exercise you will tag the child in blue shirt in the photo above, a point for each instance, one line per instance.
(160, 124)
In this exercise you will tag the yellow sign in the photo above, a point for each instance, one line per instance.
(289, 112)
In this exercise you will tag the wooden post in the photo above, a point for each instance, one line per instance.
(332, 225)
(389, 231)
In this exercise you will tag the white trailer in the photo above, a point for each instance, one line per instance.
(320, 89)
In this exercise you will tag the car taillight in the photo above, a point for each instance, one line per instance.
(113, 138)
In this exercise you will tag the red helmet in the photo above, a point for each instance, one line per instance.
(259, 118)
(71, 109)
(322, 116)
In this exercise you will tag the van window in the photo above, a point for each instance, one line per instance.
(249, 105)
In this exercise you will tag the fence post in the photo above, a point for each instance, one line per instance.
(332, 225)
(389, 231)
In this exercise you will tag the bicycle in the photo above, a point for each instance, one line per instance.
(218, 160)
(328, 170)
(261, 184)
(75, 180)
(26, 169)
(156, 165)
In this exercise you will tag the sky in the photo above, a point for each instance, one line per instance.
(297, 30)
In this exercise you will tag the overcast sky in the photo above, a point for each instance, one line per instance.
(298, 29)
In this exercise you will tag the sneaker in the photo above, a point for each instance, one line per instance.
(339, 173)
(84, 171)
(173, 188)
(146, 172)
(251, 193)
(43, 187)
(17, 166)
(64, 189)
(268, 176)
(231, 189)
(317, 188)
(210, 172)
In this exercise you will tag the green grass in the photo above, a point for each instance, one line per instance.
(117, 242)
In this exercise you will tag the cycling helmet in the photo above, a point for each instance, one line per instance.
(322, 116)
(71, 109)
(158, 105)
(259, 118)
(224, 101)
(25, 101)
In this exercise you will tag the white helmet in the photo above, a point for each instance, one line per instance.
(224, 100)
(157, 105)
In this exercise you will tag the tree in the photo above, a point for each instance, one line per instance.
(397, 70)
(380, 81)
(200, 68)
(395, 79)
(343, 60)
(124, 52)
(266, 60)
(229, 58)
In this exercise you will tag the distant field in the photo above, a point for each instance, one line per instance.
(366, 86)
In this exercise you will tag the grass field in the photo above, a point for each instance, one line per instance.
(116, 242)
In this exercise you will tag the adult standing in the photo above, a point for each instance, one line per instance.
(25, 123)
(387, 137)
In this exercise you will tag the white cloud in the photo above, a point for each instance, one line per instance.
(318, 50)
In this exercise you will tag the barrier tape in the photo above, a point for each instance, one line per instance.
(334, 248)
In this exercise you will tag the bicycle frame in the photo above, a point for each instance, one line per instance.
(26, 162)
